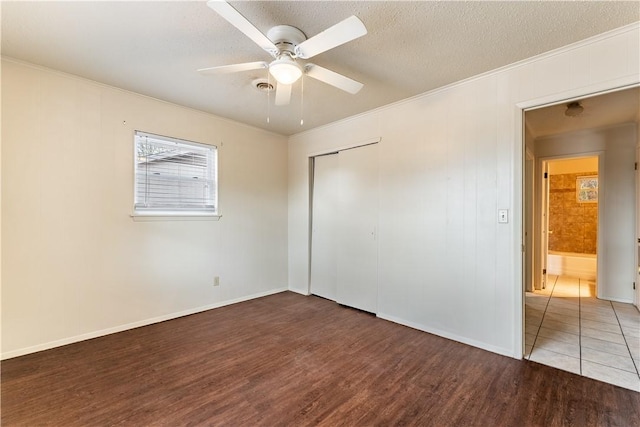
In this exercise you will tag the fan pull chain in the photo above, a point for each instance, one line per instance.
(268, 95)
(302, 100)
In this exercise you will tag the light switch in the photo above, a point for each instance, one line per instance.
(503, 216)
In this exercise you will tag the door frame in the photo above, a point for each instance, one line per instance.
(541, 212)
(541, 218)
(637, 282)
(518, 225)
(528, 221)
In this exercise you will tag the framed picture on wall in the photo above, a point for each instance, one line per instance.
(587, 189)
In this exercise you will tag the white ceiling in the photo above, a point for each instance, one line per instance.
(599, 111)
(154, 48)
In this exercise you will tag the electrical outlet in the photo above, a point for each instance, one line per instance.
(216, 281)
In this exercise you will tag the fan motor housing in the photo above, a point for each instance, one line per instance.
(286, 37)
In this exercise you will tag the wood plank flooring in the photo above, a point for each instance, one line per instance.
(291, 360)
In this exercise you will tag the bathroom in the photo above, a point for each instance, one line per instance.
(573, 218)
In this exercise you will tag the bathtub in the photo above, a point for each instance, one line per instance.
(572, 264)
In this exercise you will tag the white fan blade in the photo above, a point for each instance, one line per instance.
(226, 69)
(234, 17)
(341, 33)
(334, 79)
(283, 94)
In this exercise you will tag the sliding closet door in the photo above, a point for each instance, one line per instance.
(357, 230)
(324, 236)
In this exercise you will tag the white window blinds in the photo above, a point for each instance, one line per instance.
(174, 176)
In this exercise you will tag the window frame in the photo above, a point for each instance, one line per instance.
(146, 214)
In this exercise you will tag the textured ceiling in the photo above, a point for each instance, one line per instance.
(599, 111)
(154, 48)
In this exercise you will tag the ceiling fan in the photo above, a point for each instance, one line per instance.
(287, 44)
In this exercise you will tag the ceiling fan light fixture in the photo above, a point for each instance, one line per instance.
(285, 70)
(574, 109)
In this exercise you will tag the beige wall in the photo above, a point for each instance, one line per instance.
(75, 264)
(449, 159)
(573, 165)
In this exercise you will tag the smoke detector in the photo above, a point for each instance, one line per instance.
(574, 109)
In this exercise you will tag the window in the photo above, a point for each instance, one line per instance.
(174, 177)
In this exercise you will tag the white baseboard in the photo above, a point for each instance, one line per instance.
(299, 291)
(108, 331)
(450, 336)
(623, 300)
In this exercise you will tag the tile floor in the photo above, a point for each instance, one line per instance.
(568, 328)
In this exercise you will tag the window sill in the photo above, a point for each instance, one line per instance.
(174, 217)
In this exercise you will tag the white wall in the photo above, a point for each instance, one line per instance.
(449, 160)
(616, 246)
(75, 265)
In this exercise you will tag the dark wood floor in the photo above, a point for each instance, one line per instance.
(289, 360)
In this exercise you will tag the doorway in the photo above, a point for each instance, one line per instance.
(579, 312)
(606, 126)
(570, 228)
